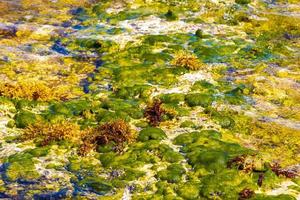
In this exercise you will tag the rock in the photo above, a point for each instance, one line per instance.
(243, 2)
(97, 185)
(199, 33)
(61, 194)
(25, 118)
(198, 99)
(187, 124)
(7, 31)
(151, 134)
(43, 33)
(59, 48)
(172, 98)
(173, 173)
(189, 191)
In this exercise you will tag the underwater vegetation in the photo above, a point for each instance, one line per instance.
(187, 60)
(154, 113)
(150, 100)
(116, 132)
(47, 133)
(31, 91)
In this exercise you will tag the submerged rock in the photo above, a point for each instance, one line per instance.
(61, 194)
(199, 99)
(151, 134)
(7, 31)
(59, 48)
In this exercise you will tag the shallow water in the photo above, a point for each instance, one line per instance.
(79, 77)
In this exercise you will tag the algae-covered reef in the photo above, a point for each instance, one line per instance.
(150, 99)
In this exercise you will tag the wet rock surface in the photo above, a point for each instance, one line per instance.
(149, 100)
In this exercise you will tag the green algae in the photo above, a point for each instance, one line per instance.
(243, 2)
(173, 173)
(171, 16)
(98, 185)
(231, 38)
(173, 98)
(189, 191)
(226, 184)
(22, 167)
(24, 171)
(199, 99)
(151, 134)
(187, 124)
(25, 118)
(222, 118)
(274, 197)
(134, 92)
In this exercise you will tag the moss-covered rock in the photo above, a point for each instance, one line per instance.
(151, 134)
(11, 124)
(204, 85)
(38, 151)
(189, 138)
(96, 184)
(173, 173)
(22, 171)
(198, 99)
(210, 159)
(225, 121)
(60, 109)
(174, 98)
(107, 116)
(135, 92)
(21, 167)
(168, 154)
(273, 197)
(189, 191)
(131, 174)
(225, 185)
(243, 2)
(199, 33)
(164, 188)
(171, 16)
(187, 124)
(25, 118)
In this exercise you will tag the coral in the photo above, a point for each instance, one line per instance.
(154, 113)
(187, 60)
(46, 133)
